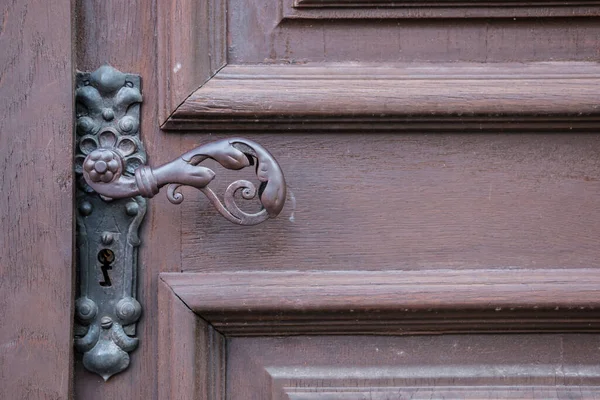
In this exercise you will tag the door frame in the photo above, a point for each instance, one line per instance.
(36, 212)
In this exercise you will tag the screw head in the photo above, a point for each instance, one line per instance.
(106, 322)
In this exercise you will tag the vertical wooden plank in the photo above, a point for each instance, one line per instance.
(36, 197)
(123, 34)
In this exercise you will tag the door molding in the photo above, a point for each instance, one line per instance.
(392, 302)
(407, 97)
(200, 90)
(197, 311)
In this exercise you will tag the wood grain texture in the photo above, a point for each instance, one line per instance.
(395, 97)
(411, 202)
(36, 197)
(191, 48)
(191, 354)
(382, 368)
(124, 35)
(388, 9)
(398, 302)
(259, 32)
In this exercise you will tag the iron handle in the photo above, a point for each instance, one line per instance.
(103, 170)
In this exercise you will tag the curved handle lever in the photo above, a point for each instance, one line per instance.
(103, 171)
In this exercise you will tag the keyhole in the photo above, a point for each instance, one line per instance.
(106, 258)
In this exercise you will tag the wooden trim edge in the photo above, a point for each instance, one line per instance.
(393, 302)
(425, 97)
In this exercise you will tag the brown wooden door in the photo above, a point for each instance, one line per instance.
(439, 238)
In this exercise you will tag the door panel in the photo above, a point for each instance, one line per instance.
(385, 368)
(235, 336)
(413, 202)
(277, 32)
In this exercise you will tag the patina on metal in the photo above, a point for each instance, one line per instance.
(113, 182)
(108, 120)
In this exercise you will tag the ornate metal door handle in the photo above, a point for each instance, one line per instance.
(114, 181)
(103, 171)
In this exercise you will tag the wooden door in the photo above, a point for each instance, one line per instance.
(439, 238)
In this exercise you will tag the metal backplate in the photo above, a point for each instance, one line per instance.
(108, 116)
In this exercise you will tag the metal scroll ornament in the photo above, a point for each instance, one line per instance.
(113, 182)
